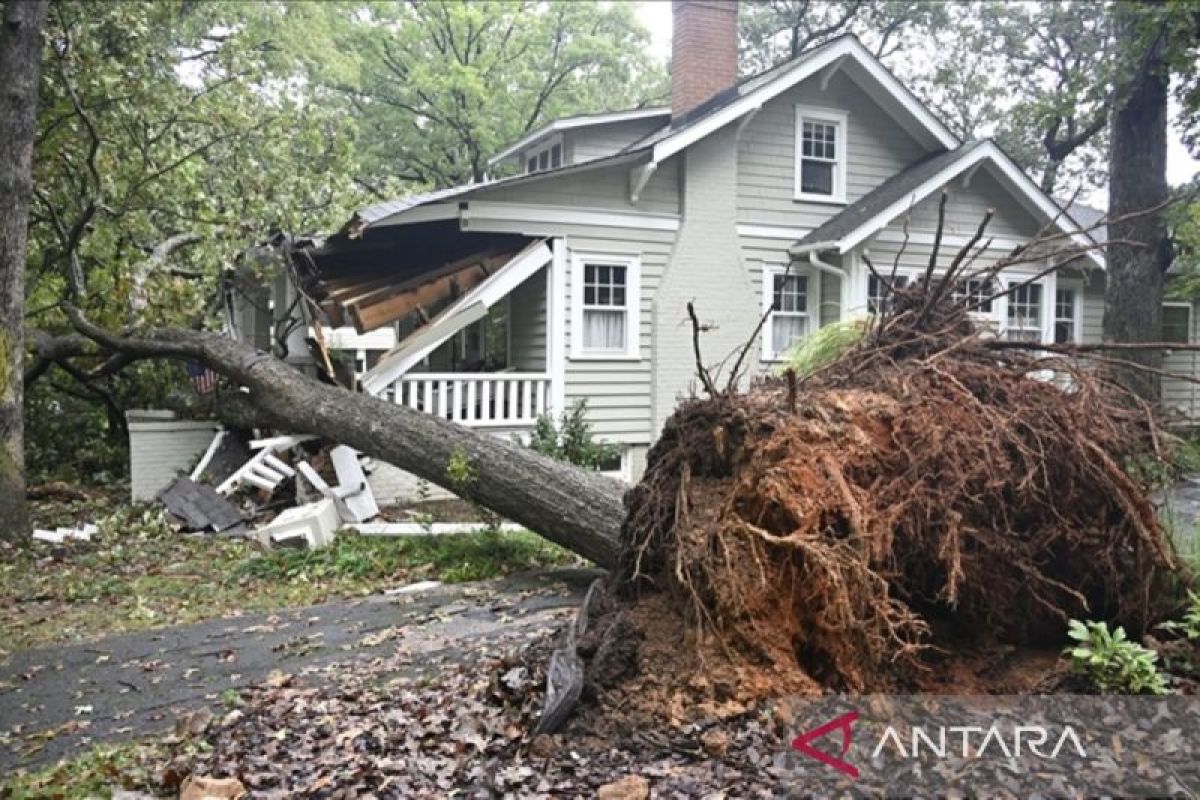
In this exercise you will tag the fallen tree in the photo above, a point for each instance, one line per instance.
(575, 508)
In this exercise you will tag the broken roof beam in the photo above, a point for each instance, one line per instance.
(376, 293)
(367, 318)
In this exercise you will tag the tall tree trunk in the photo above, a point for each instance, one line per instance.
(1137, 184)
(579, 510)
(20, 67)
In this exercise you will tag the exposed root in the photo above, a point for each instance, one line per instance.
(923, 481)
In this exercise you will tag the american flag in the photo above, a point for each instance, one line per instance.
(203, 378)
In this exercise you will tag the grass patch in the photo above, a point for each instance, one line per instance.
(139, 573)
(93, 774)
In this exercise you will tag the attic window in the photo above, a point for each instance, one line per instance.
(820, 155)
(548, 155)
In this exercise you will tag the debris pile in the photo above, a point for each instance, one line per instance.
(932, 489)
(273, 473)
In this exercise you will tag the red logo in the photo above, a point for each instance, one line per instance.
(803, 743)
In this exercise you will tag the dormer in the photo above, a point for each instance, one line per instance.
(574, 140)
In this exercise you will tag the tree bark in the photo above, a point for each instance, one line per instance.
(575, 508)
(1137, 183)
(20, 66)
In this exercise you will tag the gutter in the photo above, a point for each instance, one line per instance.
(818, 264)
(814, 247)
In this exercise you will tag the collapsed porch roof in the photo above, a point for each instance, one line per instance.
(396, 273)
(470, 307)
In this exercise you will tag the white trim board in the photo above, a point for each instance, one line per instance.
(771, 231)
(471, 307)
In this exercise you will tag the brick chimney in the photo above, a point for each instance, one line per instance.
(704, 48)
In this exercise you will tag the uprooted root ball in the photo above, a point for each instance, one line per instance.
(957, 489)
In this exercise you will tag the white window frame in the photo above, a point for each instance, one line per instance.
(813, 311)
(623, 472)
(545, 147)
(885, 271)
(1191, 321)
(1075, 286)
(633, 306)
(841, 121)
(1011, 287)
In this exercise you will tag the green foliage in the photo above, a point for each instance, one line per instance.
(571, 439)
(823, 346)
(1189, 625)
(453, 558)
(1112, 662)
(774, 32)
(92, 775)
(460, 473)
(138, 572)
(156, 119)
(437, 87)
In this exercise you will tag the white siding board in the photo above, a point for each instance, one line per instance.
(606, 187)
(966, 207)
(527, 324)
(598, 141)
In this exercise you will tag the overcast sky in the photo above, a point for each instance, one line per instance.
(656, 15)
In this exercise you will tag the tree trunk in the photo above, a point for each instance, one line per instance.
(20, 65)
(577, 509)
(1138, 183)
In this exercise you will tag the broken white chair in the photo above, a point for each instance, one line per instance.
(264, 470)
(353, 497)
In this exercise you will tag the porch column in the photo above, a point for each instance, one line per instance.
(556, 319)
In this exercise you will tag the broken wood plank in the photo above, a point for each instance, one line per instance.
(367, 318)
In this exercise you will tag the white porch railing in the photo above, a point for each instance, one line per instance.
(475, 399)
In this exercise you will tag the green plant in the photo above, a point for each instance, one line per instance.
(1189, 625)
(822, 346)
(460, 472)
(571, 439)
(1111, 661)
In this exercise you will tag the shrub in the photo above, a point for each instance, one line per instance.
(571, 439)
(1111, 661)
(1189, 626)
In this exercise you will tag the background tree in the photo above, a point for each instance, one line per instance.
(168, 140)
(1157, 41)
(774, 31)
(20, 62)
(438, 87)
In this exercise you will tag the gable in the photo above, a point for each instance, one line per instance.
(876, 149)
(967, 204)
(845, 53)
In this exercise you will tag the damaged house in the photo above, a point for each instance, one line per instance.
(494, 302)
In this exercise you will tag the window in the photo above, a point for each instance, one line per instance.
(604, 307)
(820, 155)
(1066, 315)
(1176, 323)
(605, 297)
(1024, 318)
(878, 293)
(975, 294)
(787, 295)
(548, 155)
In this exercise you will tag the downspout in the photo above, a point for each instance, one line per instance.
(844, 277)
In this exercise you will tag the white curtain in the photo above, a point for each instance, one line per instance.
(785, 329)
(603, 330)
